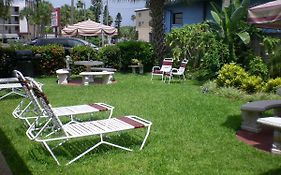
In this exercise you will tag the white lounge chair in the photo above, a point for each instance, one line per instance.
(177, 72)
(165, 68)
(70, 111)
(12, 86)
(53, 130)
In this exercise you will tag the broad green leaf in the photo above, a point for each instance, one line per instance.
(245, 3)
(244, 36)
(237, 14)
(216, 17)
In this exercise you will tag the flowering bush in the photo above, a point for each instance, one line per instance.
(272, 85)
(252, 84)
(231, 75)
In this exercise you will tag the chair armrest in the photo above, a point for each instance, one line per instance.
(155, 67)
(174, 70)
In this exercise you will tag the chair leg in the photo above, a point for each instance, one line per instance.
(13, 91)
(145, 138)
(51, 152)
(9, 93)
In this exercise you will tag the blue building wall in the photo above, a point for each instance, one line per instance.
(195, 13)
(192, 14)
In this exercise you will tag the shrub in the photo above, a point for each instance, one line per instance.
(258, 67)
(190, 42)
(234, 93)
(82, 53)
(140, 50)
(7, 61)
(275, 64)
(51, 58)
(252, 84)
(111, 56)
(209, 87)
(272, 85)
(231, 75)
(217, 54)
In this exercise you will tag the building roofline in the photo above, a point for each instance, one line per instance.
(142, 9)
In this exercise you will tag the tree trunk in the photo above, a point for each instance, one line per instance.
(157, 14)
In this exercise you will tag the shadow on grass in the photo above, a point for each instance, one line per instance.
(15, 162)
(9, 97)
(71, 149)
(233, 122)
(272, 172)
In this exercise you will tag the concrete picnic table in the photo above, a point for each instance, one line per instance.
(134, 67)
(88, 64)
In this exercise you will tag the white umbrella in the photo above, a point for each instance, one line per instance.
(89, 28)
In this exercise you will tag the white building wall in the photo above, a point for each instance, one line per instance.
(13, 26)
(23, 22)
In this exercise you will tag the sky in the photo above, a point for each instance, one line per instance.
(127, 9)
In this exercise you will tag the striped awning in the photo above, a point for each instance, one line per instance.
(266, 15)
(89, 28)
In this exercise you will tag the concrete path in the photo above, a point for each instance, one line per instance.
(4, 168)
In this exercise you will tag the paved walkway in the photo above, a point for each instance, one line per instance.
(4, 168)
(262, 140)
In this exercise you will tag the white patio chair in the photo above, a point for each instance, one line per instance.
(180, 72)
(53, 130)
(165, 68)
(68, 111)
(12, 86)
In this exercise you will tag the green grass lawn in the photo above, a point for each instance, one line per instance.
(192, 132)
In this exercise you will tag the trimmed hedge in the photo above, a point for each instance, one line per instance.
(52, 57)
(139, 50)
(7, 61)
(111, 56)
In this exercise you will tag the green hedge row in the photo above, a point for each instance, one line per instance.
(52, 57)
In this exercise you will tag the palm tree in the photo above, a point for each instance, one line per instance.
(72, 12)
(40, 15)
(4, 7)
(157, 14)
(4, 12)
(133, 18)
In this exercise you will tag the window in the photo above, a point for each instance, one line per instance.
(150, 23)
(17, 29)
(73, 43)
(139, 23)
(139, 14)
(16, 9)
(150, 37)
(17, 19)
(177, 18)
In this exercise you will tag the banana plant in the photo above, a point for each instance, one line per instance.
(228, 24)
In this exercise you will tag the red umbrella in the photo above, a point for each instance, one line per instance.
(266, 15)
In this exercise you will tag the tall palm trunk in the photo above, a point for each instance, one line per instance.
(72, 12)
(157, 14)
